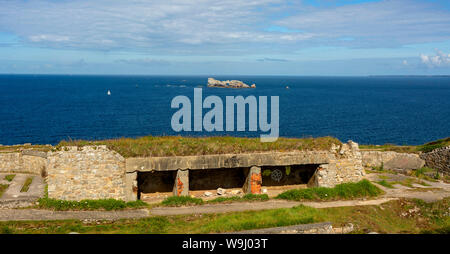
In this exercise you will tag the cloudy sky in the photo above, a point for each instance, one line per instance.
(275, 37)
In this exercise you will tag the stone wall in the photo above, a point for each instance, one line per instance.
(95, 172)
(345, 167)
(23, 162)
(91, 172)
(438, 159)
(392, 160)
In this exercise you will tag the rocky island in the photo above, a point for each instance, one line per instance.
(228, 83)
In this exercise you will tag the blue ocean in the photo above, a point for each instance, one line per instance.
(45, 109)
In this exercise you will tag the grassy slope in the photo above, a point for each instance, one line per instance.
(392, 217)
(181, 146)
(361, 189)
(428, 147)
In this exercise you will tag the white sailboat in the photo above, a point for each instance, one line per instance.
(109, 92)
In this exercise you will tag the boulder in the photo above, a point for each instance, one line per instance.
(221, 191)
(404, 162)
(228, 83)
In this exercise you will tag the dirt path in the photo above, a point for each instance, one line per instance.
(35, 214)
(252, 206)
(435, 191)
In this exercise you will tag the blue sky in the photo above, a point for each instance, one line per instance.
(271, 37)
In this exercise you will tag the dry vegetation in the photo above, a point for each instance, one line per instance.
(428, 147)
(182, 146)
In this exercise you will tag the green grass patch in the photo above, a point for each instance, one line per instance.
(3, 188)
(245, 198)
(423, 183)
(101, 204)
(386, 218)
(19, 148)
(428, 147)
(385, 184)
(26, 185)
(378, 168)
(181, 201)
(182, 146)
(361, 189)
(9, 178)
(421, 171)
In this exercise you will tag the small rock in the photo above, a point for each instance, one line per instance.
(235, 192)
(207, 194)
(74, 233)
(264, 191)
(372, 233)
(221, 191)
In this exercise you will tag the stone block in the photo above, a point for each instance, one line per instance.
(253, 182)
(181, 186)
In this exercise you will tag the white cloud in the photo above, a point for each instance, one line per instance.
(175, 26)
(218, 27)
(440, 59)
(376, 24)
(48, 37)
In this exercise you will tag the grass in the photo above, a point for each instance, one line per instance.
(421, 173)
(427, 147)
(181, 201)
(9, 178)
(3, 187)
(391, 217)
(390, 147)
(342, 191)
(101, 204)
(18, 148)
(182, 146)
(26, 185)
(379, 168)
(245, 198)
(189, 201)
(385, 184)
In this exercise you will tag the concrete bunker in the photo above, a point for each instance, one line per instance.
(184, 175)
(287, 175)
(195, 181)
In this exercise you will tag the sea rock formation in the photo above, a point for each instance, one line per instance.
(228, 83)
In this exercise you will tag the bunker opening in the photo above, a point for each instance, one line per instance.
(155, 181)
(211, 179)
(287, 175)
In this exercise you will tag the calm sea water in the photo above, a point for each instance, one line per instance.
(44, 109)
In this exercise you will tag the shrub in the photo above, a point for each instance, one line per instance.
(247, 197)
(9, 178)
(341, 191)
(101, 204)
(182, 200)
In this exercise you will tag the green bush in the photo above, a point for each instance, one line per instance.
(182, 200)
(385, 184)
(9, 178)
(428, 147)
(247, 197)
(341, 191)
(101, 204)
